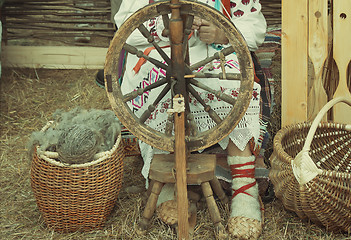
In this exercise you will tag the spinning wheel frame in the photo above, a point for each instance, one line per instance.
(146, 133)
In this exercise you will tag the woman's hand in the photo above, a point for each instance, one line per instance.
(209, 33)
(196, 23)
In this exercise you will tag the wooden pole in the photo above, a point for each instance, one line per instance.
(177, 57)
(180, 162)
(179, 88)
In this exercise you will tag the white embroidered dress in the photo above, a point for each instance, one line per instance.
(248, 19)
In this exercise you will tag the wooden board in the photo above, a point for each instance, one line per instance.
(342, 56)
(54, 57)
(318, 52)
(294, 61)
(162, 167)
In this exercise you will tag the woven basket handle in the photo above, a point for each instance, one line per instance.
(319, 117)
(303, 166)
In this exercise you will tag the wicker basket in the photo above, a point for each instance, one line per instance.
(310, 170)
(77, 197)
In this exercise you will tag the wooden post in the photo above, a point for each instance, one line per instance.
(294, 61)
(342, 56)
(177, 57)
(180, 162)
(176, 38)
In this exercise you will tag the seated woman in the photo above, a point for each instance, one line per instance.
(244, 141)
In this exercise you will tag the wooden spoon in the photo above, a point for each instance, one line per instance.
(342, 56)
(318, 51)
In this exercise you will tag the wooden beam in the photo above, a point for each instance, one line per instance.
(294, 61)
(53, 57)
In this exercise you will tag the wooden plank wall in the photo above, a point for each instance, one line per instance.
(47, 29)
(272, 10)
(304, 47)
(54, 33)
(57, 22)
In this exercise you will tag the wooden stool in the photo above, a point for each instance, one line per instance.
(200, 171)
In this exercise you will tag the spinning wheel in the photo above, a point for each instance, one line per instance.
(181, 80)
(180, 75)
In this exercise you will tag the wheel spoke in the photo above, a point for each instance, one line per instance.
(213, 115)
(169, 125)
(192, 124)
(225, 97)
(225, 52)
(187, 31)
(165, 19)
(227, 76)
(130, 96)
(146, 114)
(151, 40)
(133, 50)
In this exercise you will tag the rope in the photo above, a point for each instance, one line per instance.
(243, 173)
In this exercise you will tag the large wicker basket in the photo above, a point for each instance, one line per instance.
(311, 166)
(77, 197)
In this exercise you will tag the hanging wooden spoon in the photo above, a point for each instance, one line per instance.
(318, 51)
(342, 56)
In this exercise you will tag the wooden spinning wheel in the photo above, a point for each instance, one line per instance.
(180, 135)
(180, 77)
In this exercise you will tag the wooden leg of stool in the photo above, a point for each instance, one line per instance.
(149, 208)
(217, 188)
(213, 210)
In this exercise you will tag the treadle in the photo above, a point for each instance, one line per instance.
(200, 168)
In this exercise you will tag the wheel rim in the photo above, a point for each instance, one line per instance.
(152, 136)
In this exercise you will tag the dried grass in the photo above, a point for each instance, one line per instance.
(28, 98)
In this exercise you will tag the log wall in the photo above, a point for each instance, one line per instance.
(57, 22)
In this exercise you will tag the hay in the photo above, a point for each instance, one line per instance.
(28, 99)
